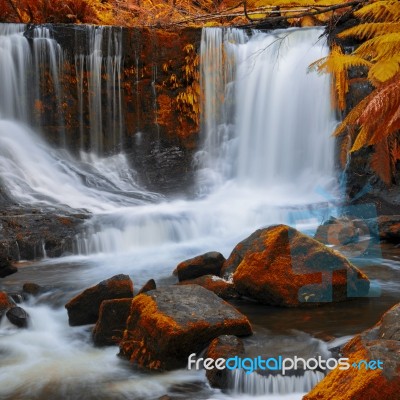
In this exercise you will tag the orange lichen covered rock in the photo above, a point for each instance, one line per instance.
(219, 286)
(5, 303)
(208, 263)
(166, 325)
(281, 266)
(111, 324)
(382, 342)
(84, 308)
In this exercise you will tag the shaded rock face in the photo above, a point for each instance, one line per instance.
(159, 130)
(6, 268)
(166, 325)
(381, 342)
(84, 308)
(31, 233)
(225, 290)
(112, 321)
(206, 264)
(224, 346)
(363, 185)
(281, 266)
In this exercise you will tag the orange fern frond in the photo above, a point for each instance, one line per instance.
(381, 161)
(384, 70)
(380, 117)
(382, 10)
(380, 47)
(349, 124)
(371, 29)
(337, 63)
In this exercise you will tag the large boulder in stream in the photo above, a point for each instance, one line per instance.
(206, 264)
(84, 308)
(166, 325)
(281, 266)
(374, 358)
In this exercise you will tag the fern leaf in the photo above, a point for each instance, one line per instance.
(383, 10)
(383, 71)
(350, 121)
(337, 64)
(381, 162)
(380, 47)
(396, 151)
(371, 29)
(362, 140)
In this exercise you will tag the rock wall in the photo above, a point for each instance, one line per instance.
(160, 100)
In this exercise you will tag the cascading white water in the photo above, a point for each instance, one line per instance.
(34, 173)
(104, 100)
(263, 149)
(257, 385)
(266, 120)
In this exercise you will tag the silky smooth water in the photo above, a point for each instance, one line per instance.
(266, 153)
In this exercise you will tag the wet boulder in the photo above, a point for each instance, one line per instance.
(166, 325)
(18, 316)
(222, 288)
(374, 359)
(281, 266)
(32, 289)
(84, 308)
(224, 346)
(149, 285)
(206, 264)
(111, 323)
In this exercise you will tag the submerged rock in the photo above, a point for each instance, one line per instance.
(84, 308)
(281, 266)
(225, 290)
(378, 381)
(111, 324)
(31, 233)
(18, 316)
(166, 325)
(32, 289)
(206, 264)
(224, 346)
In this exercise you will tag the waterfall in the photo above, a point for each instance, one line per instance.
(266, 128)
(264, 151)
(103, 99)
(267, 121)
